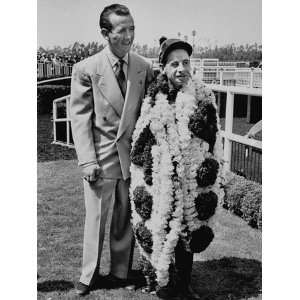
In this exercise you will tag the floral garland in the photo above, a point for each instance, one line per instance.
(176, 172)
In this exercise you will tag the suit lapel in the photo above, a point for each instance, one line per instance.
(133, 92)
(108, 84)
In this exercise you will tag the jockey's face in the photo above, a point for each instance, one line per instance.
(178, 68)
(121, 36)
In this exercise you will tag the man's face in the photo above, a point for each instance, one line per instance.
(121, 36)
(178, 68)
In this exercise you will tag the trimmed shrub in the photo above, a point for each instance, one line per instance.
(251, 207)
(259, 221)
(235, 191)
(244, 198)
(47, 93)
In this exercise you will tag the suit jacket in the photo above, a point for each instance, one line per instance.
(102, 120)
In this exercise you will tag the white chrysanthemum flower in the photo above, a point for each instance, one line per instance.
(174, 201)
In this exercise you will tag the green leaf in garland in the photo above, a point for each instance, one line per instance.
(144, 237)
(143, 202)
(208, 172)
(148, 160)
(160, 84)
(206, 204)
(203, 123)
(201, 239)
(137, 153)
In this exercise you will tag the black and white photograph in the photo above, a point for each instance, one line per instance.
(149, 149)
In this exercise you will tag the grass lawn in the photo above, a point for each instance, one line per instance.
(45, 150)
(229, 269)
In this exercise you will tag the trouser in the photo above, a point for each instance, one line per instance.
(183, 264)
(98, 198)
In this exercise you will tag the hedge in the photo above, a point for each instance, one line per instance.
(244, 198)
(47, 93)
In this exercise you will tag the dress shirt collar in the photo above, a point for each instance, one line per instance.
(114, 59)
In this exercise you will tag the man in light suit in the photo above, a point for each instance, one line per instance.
(106, 95)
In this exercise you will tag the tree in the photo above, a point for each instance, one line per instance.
(145, 50)
(41, 49)
(186, 38)
(179, 35)
(194, 34)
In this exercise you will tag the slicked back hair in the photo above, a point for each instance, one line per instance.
(118, 9)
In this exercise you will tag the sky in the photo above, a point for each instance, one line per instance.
(217, 22)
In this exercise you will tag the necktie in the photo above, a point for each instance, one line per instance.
(121, 77)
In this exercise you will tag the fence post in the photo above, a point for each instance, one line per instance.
(54, 119)
(48, 70)
(251, 78)
(228, 129)
(248, 108)
(221, 76)
(45, 70)
(219, 103)
(68, 119)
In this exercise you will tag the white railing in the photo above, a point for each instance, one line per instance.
(62, 122)
(49, 70)
(228, 75)
(61, 118)
(248, 77)
(228, 135)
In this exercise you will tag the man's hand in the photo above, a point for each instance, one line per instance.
(91, 172)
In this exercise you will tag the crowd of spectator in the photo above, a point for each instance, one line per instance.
(58, 59)
(68, 55)
(78, 51)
